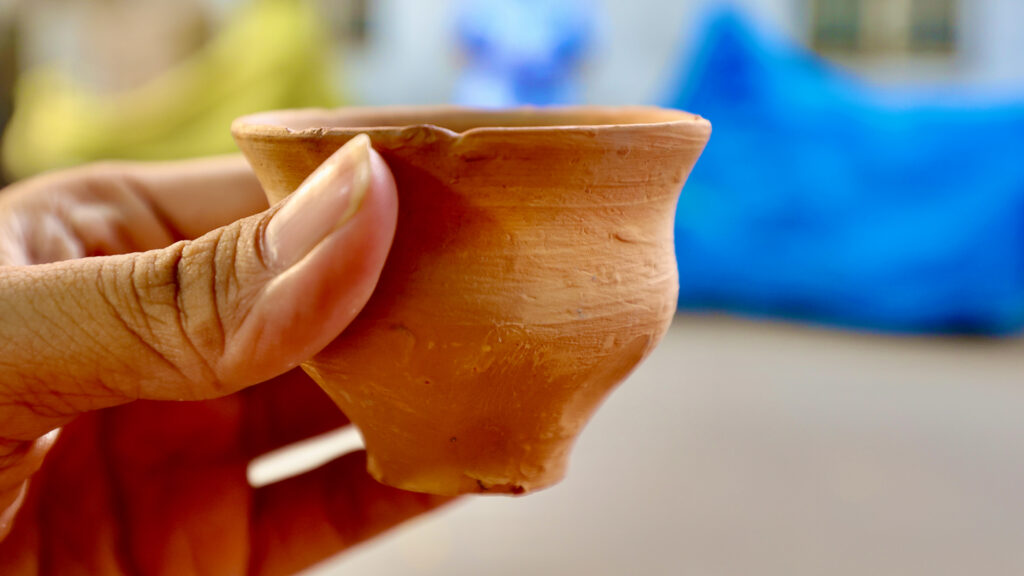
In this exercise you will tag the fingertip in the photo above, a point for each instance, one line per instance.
(305, 307)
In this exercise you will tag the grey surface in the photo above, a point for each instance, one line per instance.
(742, 448)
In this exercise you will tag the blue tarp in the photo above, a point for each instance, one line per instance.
(824, 197)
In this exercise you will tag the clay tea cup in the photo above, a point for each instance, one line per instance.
(532, 269)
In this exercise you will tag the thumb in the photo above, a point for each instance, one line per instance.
(202, 318)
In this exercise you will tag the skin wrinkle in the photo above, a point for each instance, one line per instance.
(231, 285)
(31, 252)
(131, 331)
(10, 348)
(29, 398)
(92, 340)
(6, 391)
(60, 209)
(15, 227)
(138, 191)
(60, 301)
(132, 295)
(40, 386)
(245, 301)
(60, 243)
(7, 255)
(175, 272)
(260, 237)
(43, 321)
(127, 295)
(216, 293)
(117, 239)
(207, 315)
(13, 450)
(183, 289)
(30, 386)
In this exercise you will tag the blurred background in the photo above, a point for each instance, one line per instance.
(842, 390)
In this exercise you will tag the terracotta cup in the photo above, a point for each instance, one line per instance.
(532, 269)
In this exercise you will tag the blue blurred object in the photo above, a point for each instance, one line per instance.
(522, 51)
(825, 198)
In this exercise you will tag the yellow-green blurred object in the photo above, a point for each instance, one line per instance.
(272, 54)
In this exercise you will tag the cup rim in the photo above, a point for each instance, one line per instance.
(302, 123)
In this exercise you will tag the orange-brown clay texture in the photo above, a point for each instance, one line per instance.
(532, 270)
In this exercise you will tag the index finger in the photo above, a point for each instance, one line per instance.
(194, 197)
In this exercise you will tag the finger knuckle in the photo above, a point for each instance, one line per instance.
(192, 296)
(158, 305)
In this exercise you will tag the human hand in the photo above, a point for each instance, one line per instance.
(147, 357)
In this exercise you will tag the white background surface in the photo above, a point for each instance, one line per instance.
(744, 448)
